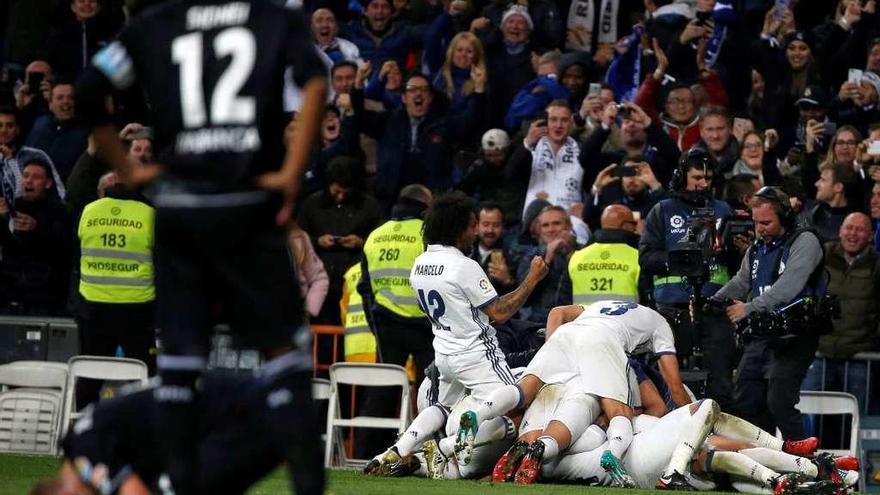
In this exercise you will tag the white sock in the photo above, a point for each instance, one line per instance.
(781, 461)
(620, 435)
(447, 446)
(692, 436)
(739, 429)
(741, 465)
(426, 423)
(451, 472)
(422, 470)
(551, 447)
(589, 440)
(490, 431)
(499, 402)
(494, 430)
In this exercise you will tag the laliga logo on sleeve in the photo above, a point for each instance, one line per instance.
(484, 285)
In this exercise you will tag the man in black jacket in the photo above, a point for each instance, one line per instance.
(639, 135)
(489, 250)
(415, 142)
(639, 192)
(338, 219)
(35, 238)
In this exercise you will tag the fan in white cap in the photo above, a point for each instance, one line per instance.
(495, 139)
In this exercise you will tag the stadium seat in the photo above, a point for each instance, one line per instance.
(29, 421)
(332, 331)
(835, 403)
(31, 400)
(98, 368)
(365, 375)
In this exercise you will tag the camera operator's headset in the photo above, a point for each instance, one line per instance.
(692, 158)
(781, 204)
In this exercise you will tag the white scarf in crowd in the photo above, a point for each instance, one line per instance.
(582, 18)
(559, 175)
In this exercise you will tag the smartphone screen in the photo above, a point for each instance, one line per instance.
(855, 75)
(34, 81)
(595, 88)
(780, 7)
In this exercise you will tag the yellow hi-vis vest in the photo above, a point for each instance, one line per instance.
(360, 343)
(391, 252)
(116, 263)
(603, 271)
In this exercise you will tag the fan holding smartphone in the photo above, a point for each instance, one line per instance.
(37, 81)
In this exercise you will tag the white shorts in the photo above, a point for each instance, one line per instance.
(589, 360)
(542, 408)
(479, 372)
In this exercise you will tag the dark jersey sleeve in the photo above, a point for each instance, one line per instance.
(301, 53)
(112, 441)
(112, 68)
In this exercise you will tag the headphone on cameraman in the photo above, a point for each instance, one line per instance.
(781, 204)
(692, 158)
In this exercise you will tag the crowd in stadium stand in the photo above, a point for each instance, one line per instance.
(566, 120)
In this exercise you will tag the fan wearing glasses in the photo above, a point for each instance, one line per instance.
(416, 141)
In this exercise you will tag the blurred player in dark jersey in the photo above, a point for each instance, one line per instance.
(114, 447)
(213, 73)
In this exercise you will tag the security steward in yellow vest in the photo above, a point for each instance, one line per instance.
(400, 326)
(359, 343)
(608, 267)
(116, 314)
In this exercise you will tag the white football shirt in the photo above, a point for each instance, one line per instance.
(640, 328)
(451, 288)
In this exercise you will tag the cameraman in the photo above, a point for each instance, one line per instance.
(668, 225)
(777, 269)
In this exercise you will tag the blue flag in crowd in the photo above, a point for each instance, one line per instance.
(623, 73)
(877, 237)
(724, 16)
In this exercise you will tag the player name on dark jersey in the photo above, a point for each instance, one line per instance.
(214, 73)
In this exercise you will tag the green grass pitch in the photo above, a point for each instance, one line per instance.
(18, 474)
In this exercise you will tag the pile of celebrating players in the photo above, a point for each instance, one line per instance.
(600, 403)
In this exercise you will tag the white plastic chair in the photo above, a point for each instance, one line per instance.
(29, 421)
(31, 400)
(98, 368)
(830, 403)
(362, 375)
(321, 391)
(33, 374)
